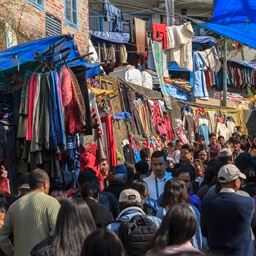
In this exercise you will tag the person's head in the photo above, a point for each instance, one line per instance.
(226, 156)
(186, 154)
(254, 141)
(175, 192)
(39, 180)
(178, 144)
(236, 136)
(237, 146)
(169, 162)
(145, 154)
(200, 140)
(166, 151)
(130, 169)
(184, 173)
(158, 164)
(104, 167)
(142, 187)
(199, 167)
(118, 173)
(221, 140)
(245, 142)
(178, 227)
(24, 187)
(229, 177)
(129, 198)
(2, 214)
(74, 224)
(87, 174)
(142, 167)
(103, 243)
(203, 155)
(171, 147)
(229, 145)
(90, 190)
(244, 160)
(212, 138)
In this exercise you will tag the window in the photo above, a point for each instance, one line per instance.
(71, 12)
(95, 20)
(37, 3)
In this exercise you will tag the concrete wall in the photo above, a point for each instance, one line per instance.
(28, 21)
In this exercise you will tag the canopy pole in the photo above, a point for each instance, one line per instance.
(225, 70)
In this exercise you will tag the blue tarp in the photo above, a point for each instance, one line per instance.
(27, 56)
(243, 63)
(234, 19)
(114, 37)
(199, 41)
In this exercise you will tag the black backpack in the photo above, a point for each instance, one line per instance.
(136, 233)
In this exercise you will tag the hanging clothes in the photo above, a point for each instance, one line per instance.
(180, 45)
(160, 33)
(189, 125)
(203, 129)
(222, 130)
(199, 89)
(140, 35)
(111, 145)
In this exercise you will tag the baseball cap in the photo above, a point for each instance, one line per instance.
(129, 196)
(228, 173)
(225, 152)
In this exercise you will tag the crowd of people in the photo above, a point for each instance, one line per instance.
(183, 200)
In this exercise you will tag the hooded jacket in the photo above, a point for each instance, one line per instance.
(155, 185)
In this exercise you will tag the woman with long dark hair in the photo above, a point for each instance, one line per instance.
(176, 230)
(175, 192)
(103, 243)
(74, 224)
(245, 143)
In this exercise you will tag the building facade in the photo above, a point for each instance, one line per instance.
(27, 20)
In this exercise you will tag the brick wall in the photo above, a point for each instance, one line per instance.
(29, 22)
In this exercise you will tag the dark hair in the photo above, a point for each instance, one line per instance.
(87, 174)
(74, 224)
(90, 189)
(212, 135)
(103, 243)
(170, 144)
(175, 192)
(142, 167)
(130, 171)
(144, 153)
(226, 159)
(253, 145)
(247, 138)
(221, 137)
(200, 137)
(201, 148)
(103, 159)
(2, 208)
(166, 151)
(178, 226)
(187, 168)
(37, 178)
(186, 146)
(158, 154)
(213, 162)
(141, 186)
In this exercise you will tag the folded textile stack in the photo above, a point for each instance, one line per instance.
(183, 85)
(235, 97)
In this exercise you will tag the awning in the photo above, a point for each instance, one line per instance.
(28, 56)
(234, 19)
(114, 37)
